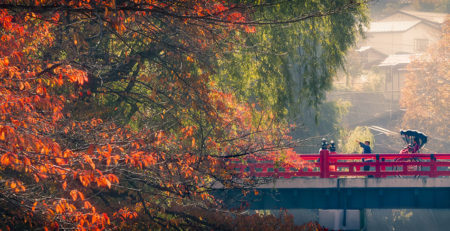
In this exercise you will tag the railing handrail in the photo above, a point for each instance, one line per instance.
(328, 165)
(365, 156)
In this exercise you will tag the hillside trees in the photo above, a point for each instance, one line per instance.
(426, 93)
(361, 134)
(313, 124)
(110, 117)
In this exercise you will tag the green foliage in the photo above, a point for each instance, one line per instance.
(357, 77)
(148, 65)
(314, 125)
(284, 67)
(381, 8)
(358, 134)
(431, 5)
(373, 81)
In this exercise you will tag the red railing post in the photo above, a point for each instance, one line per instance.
(433, 168)
(324, 165)
(252, 170)
(377, 166)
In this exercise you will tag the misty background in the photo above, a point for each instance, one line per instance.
(373, 97)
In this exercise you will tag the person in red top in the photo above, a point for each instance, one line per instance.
(415, 146)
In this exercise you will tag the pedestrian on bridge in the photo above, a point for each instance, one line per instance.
(365, 146)
(366, 150)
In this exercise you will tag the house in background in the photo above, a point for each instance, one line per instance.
(369, 57)
(394, 37)
(389, 46)
(394, 41)
(432, 19)
(405, 32)
(394, 67)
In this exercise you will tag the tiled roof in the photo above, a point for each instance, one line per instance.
(362, 49)
(393, 60)
(397, 26)
(429, 16)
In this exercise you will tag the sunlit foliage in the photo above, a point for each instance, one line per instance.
(110, 117)
(426, 93)
(360, 134)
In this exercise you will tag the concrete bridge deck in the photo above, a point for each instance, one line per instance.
(394, 182)
(345, 193)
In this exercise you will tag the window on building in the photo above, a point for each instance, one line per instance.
(420, 44)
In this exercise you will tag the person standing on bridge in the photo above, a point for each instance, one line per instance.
(365, 146)
(366, 150)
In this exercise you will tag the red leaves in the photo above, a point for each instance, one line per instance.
(75, 193)
(103, 181)
(60, 161)
(88, 160)
(34, 127)
(250, 29)
(190, 59)
(107, 182)
(87, 205)
(16, 185)
(219, 7)
(125, 213)
(5, 61)
(40, 90)
(85, 179)
(188, 131)
(6, 159)
(34, 206)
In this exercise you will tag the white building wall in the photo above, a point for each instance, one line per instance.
(385, 42)
(390, 43)
(419, 32)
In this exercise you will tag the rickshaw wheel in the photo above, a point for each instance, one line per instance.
(410, 168)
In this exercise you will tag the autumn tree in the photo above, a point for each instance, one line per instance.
(110, 117)
(425, 95)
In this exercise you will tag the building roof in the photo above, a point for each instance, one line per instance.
(362, 49)
(428, 16)
(394, 60)
(395, 26)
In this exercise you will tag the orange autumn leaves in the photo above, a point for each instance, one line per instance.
(30, 110)
(60, 164)
(426, 93)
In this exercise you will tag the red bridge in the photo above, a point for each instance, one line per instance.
(337, 181)
(332, 165)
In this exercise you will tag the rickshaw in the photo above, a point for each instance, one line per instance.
(414, 140)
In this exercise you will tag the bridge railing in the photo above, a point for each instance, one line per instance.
(331, 165)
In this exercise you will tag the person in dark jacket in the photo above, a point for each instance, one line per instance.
(366, 150)
(365, 146)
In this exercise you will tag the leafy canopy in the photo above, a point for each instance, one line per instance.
(111, 118)
(426, 93)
